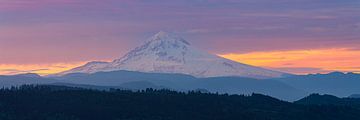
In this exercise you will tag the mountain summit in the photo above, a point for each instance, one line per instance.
(170, 53)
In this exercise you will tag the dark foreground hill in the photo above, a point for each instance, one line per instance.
(354, 96)
(329, 100)
(68, 103)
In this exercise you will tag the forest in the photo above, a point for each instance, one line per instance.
(50, 102)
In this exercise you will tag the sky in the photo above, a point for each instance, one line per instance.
(295, 36)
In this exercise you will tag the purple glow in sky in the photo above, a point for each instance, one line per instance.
(60, 31)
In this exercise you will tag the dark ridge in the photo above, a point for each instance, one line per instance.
(329, 100)
(354, 96)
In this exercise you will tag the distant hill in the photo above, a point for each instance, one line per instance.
(85, 86)
(17, 80)
(336, 83)
(290, 88)
(181, 82)
(69, 103)
(31, 75)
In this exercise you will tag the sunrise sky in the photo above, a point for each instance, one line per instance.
(295, 36)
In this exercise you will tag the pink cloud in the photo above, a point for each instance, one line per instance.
(16, 5)
(92, 29)
(64, 42)
(20, 4)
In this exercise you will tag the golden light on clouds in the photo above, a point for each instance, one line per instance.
(42, 69)
(294, 61)
(324, 60)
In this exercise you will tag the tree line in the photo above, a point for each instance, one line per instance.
(47, 102)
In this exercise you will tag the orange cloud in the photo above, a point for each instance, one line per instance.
(293, 61)
(42, 69)
(334, 59)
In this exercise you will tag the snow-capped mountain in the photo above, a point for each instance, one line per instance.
(169, 53)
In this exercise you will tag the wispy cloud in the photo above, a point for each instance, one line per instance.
(42, 69)
(300, 70)
(324, 17)
(232, 29)
(317, 29)
(16, 71)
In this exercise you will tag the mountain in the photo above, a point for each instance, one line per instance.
(335, 83)
(169, 53)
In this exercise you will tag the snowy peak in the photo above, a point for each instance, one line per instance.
(94, 63)
(168, 37)
(169, 53)
(164, 40)
(159, 46)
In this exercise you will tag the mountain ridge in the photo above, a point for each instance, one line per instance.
(289, 88)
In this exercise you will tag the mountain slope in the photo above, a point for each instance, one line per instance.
(169, 53)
